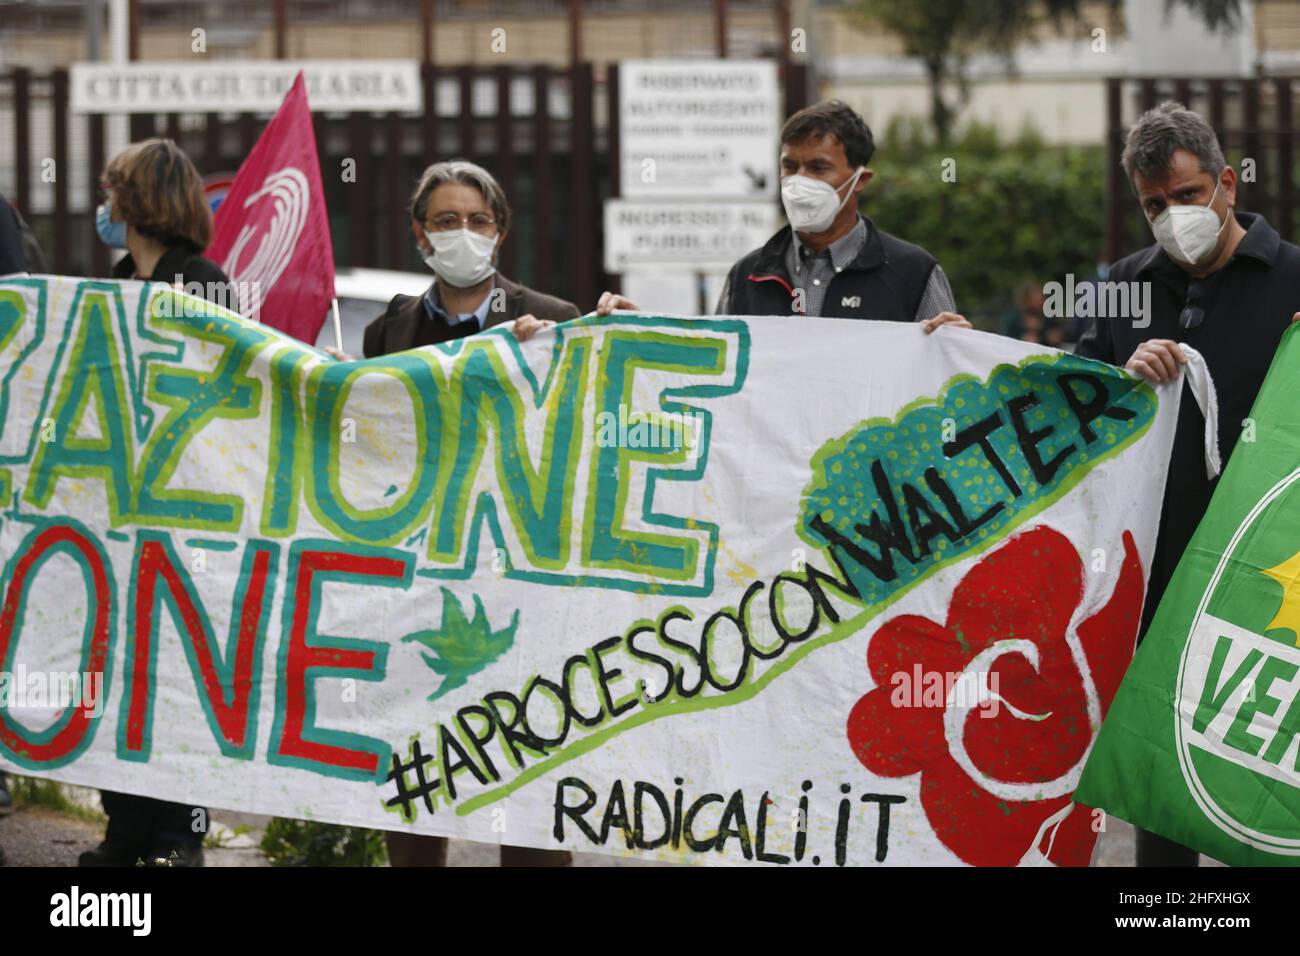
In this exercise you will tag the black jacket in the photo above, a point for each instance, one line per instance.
(1248, 305)
(886, 280)
(396, 330)
(19, 251)
(192, 269)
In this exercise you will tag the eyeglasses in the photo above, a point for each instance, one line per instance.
(478, 222)
(1193, 314)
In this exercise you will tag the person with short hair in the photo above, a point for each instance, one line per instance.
(1220, 281)
(830, 260)
(460, 218)
(155, 209)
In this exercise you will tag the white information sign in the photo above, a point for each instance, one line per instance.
(698, 128)
(697, 236)
(230, 86)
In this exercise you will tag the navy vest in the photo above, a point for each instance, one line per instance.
(885, 281)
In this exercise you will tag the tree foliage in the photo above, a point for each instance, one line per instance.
(944, 34)
(1018, 211)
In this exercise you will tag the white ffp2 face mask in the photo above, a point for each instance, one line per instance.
(811, 205)
(1189, 233)
(461, 257)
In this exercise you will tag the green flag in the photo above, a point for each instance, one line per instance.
(1202, 742)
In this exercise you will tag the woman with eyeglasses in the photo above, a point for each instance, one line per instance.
(155, 209)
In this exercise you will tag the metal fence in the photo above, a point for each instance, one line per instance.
(550, 135)
(1254, 120)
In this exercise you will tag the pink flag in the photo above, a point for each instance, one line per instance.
(272, 235)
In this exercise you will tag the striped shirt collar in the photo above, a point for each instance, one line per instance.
(433, 308)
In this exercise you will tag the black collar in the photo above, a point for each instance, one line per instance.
(1261, 242)
(170, 265)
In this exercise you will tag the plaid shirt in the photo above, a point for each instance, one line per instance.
(813, 271)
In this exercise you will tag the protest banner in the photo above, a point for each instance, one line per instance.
(1200, 746)
(718, 590)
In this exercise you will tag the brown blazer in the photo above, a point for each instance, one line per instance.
(395, 330)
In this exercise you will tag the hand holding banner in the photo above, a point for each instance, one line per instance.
(1201, 746)
(719, 590)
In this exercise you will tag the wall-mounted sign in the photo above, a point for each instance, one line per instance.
(698, 128)
(241, 86)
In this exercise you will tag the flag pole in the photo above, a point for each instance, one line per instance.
(338, 326)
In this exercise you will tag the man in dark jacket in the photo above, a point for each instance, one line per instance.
(460, 217)
(830, 260)
(1221, 282)
(411, 321)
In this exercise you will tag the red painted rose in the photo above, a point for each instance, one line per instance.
(1026, 591)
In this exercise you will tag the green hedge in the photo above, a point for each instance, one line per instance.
(1019, 211)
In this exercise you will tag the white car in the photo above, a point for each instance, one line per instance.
(363, 296)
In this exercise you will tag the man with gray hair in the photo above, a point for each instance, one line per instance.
(460, 218)
(1220, 281)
